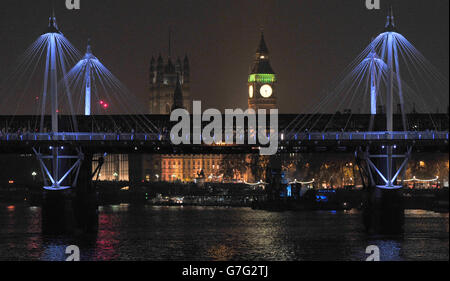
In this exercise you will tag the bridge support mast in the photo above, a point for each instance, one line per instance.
(384, 211)
(53, 83)
(373, 81)
(373, 92)
(87, 98)
(87, 110)
(61, 165)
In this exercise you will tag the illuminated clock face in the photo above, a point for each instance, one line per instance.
(266, 91)
(250, 91)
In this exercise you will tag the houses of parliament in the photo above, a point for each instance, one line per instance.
(169, 88)
(169, 85)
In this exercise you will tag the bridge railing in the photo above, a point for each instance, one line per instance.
(367, 136)
(80, 137)
(307, 136)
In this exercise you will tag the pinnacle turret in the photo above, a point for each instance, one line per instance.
(178, 95)
(152, 64)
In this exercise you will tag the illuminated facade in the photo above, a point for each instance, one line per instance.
(115, 168)
(186, 168)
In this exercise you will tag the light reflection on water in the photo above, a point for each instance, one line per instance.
(128, 232)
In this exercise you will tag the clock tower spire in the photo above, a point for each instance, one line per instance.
(262, 80)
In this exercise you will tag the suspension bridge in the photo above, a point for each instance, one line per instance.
(382, 76)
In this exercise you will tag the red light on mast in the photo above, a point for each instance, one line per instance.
(104, 104)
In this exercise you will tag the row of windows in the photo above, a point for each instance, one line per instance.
(167, 164)
(115, 168)
(184, 169)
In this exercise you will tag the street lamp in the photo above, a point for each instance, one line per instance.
(34, 174)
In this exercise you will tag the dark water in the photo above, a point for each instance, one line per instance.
(127, 232)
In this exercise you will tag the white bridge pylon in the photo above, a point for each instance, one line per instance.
(389, 177)
(386, 159)
(55, 178)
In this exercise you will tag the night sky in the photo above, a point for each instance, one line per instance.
(311, 41)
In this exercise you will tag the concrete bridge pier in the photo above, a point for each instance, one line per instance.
(383, 212)
(274, 178)
(85, 200)
(57, 212)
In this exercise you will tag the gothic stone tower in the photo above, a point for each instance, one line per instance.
(163, 83)
(262, 80)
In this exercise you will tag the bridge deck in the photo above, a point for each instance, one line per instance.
(157, 143)
(313, 136)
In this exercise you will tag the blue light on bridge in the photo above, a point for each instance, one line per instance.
(321, 198)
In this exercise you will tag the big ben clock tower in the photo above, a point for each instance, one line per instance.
(262, 80)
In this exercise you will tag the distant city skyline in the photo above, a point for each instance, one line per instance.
(311, 42)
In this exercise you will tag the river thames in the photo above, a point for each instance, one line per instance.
(128, 232)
